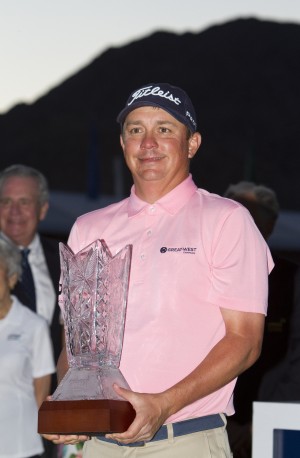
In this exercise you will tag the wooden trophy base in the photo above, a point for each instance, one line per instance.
(87, 417)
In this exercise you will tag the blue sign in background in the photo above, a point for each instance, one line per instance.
(286, 443)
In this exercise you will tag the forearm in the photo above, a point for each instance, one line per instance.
(229, 358)
(226, 360)
(41, 388)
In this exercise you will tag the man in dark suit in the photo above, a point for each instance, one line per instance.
(24, 198)
(24, 202)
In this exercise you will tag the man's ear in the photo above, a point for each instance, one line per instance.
(43, 211)
(122, 142)
(194, 144)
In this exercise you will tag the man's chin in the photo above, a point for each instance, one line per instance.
(16, 236)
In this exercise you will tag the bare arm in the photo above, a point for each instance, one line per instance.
(238, 350)
(41, 388)
(235, 353)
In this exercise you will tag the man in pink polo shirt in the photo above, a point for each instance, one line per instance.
(197, 294)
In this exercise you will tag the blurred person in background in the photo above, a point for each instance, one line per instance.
(261, 202)
(267, 379)
(26, 360)
(24, 202)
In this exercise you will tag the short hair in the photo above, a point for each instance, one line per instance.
(20, 170)
(189, 132)
(10, 258)
(265, 196)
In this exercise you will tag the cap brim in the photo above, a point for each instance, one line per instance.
(124, 113)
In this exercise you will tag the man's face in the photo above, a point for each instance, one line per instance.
(20, 210)
(157, 148)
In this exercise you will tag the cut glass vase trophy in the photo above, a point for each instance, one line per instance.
(93, 300)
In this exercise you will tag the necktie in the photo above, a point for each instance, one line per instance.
(26, 281)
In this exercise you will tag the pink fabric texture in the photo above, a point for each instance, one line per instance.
(193, 253)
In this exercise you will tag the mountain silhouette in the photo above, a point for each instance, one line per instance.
(243, 77)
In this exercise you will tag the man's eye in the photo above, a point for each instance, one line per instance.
(25, 202)
(20, 203)
(135, 130)
(164, 130)
(5, 202)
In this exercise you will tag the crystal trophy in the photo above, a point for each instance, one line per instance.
(93, 300)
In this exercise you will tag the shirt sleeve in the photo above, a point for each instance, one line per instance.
(73, 240)
(241, 262)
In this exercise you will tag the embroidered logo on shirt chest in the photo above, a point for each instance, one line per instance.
(184, 250)
(13, 336)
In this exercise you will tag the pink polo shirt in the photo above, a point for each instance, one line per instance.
(193, 252)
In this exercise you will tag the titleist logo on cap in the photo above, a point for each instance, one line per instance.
(156, 91)
(188, 114)
(172, 99)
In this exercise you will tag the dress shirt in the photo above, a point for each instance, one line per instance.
(45, 294)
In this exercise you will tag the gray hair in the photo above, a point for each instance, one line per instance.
(265, 196)
(10, 258)
(20, 170)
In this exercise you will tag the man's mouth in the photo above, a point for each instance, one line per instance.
(151, 158)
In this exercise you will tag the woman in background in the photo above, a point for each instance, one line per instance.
(26, 362)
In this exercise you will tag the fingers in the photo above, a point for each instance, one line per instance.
(144, 425)
(50, 437)
(134, 434)
(123, 392)
(69, 439)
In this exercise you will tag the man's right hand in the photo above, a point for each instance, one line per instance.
(65, 439)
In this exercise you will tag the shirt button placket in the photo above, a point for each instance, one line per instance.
(151, 210)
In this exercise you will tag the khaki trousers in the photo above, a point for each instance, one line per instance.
(211, 443)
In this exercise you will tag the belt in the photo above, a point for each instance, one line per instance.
(180, 428)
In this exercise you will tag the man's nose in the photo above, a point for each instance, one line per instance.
(149, 141)
(14, 207)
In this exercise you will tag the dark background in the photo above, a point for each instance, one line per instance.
(243, 77)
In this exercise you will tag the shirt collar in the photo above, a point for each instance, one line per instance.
(35, 244)
(171, 202)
